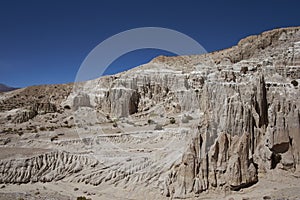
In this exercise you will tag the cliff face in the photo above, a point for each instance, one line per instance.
(251, 124)
(240, 136)
(238, 110)
(247, 101)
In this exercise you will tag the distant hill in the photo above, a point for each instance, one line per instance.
(5, 88)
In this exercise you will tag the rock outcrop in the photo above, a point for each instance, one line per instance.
(31, 111)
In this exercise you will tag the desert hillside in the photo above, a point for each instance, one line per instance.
(220, 125)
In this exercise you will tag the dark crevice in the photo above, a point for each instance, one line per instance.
(134, 102)
(243, 185)
(291, 141)
(281, 148)
(275, 159)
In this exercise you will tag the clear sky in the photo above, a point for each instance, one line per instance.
(44, 42)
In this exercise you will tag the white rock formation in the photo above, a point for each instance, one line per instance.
(244, 119)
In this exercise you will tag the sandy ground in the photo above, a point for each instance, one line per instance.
(277, 184)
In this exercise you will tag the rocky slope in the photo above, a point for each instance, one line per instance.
(177, 126)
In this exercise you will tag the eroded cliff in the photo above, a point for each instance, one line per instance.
(181, 125)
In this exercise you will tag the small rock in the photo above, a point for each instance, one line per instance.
(266, 197)
(158, 127)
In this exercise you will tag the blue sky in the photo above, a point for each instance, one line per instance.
(45, 42)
